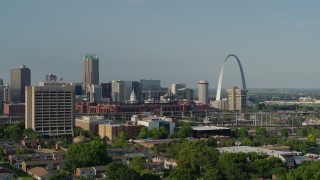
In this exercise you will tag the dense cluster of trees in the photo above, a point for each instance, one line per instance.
(154, 133)
(200, 159)
(87, 154)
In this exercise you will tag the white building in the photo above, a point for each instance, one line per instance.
(157, 122)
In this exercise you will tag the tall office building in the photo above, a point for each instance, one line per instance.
(237, 99)
(20, 78)
(1, 82)
(121, 90)
(95, 93)
(203, 92)
(184, 93)
(176, 86)
(149, 89)
(106, 90)
(91, 71)
(118, 91)
(50, 109)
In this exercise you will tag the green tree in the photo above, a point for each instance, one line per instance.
(13, 132)
(137, 164)
(307, 170)
(119, 171)
(196, 157)
(93, 153)
(260, 131)
(121, 141)
(212, 142)
(144, 134)
(284, 132)
(180, 173)
(154, 133)
(163, 132)
(22, 150)
(31, 134)
(149, 175)
(185, 131)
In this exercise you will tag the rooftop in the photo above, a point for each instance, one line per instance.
(38, 171)
(248, 149)
(208, 128)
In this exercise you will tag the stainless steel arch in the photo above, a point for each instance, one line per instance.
(244, 86)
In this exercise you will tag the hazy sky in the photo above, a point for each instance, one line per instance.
(278, 42)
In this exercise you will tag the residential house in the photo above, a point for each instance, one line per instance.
(39, 173)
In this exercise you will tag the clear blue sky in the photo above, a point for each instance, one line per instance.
(278, 42)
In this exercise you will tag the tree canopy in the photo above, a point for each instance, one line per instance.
(87, 154)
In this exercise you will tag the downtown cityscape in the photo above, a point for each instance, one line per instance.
(143, 89)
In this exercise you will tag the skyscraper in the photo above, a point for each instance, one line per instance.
(91, 71)
(20, 78)
(237, 99)
(50, 109)
(203, 88)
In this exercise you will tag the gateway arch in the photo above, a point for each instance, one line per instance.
(244, 86)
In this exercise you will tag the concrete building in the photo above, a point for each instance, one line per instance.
(176, 86)
(91, 123)
(50, 110)
(94, 93)
(203, 90)
(20, 78)
(90, 71)
(5, 96)
(150, 89)
(237, 99)
(121, 90)
(106, 90)
(112, 131)
(118, 91)
(14, 109)
(184, 93)
(207, 131)
(51, 81)
(157, 122)
(220, 104)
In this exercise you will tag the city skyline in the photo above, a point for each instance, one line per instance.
(277, 42)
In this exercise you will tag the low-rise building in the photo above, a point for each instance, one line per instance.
(112, 131)
(84, 172)
(207, 131)
(91, 172)
(39, 173)
(5, 174)
(157, 122)
(50, 165)
(286, 156)
(14, 109)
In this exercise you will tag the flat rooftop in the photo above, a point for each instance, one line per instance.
(208, 128)
(248, 149)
